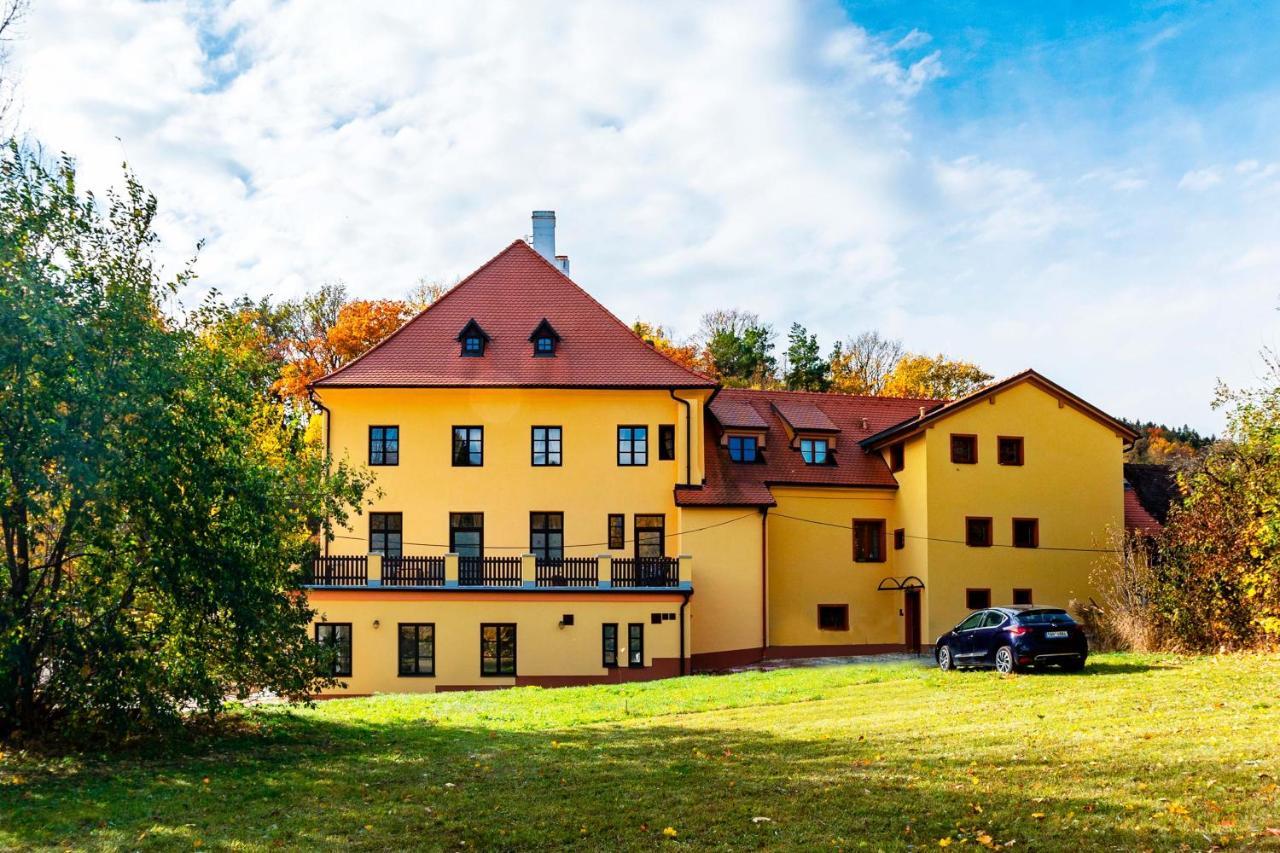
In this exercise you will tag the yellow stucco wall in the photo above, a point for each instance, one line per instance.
(812, 563)
(728, 588)
(543, 647)
(1071, 481)
(589, 485)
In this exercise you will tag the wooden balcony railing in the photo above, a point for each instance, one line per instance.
(413, 571)
(646, 572)
(568, 572)
(337, 571)
(489, 571)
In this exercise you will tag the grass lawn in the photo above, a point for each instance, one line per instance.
(1139, 752)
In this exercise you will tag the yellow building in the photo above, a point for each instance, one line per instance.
(559, 503)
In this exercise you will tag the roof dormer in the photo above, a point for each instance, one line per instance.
(473, 339)
(545, 339)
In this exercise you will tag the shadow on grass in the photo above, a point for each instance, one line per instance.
(311, 782)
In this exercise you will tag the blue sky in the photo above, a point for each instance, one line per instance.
(1092, 190)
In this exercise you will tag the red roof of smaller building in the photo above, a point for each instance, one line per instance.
(1136, 517)
(508, 298)
(853, 419)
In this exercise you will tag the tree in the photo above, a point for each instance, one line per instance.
(863, 364)
(686, 354)
(934, 377)
(738, 348)
(806, 369)
(1165, 445)
(11, 13)
(426, 292)
(155, 503)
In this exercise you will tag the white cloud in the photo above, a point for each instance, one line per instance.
(760, 154)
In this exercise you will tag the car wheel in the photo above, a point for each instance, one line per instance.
(1005, 663)
(945, 662)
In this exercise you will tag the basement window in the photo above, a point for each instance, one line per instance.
(833, 617)
(977, 599)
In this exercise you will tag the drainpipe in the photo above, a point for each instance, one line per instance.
(688, 436)
(764, 581)
(311, 395)
(683, 604)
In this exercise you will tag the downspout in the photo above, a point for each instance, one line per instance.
(311, 395)
(688, 438)
(683, 604)
(764, 581)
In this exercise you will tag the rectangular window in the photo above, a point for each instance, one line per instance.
(868, 540)
(617, 531)
(468, 446)
(336, 636)
(633, 445)
(666, 441)
(386, 533)
(609, 644)
(546, 535)
(897, 456)
(814, 451)
(1022, 596)
(651, 535)
(977, 599)
(977, 532)
(1009, 450)
(742, 448)
(964, 449)
(899, 539)
(1026, 533)
(497, 649)
(417, 648)
(384, 445)
(635, 644)
(546, 445)
(466, 534)
(833, 617)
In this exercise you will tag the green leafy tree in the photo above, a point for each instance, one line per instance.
(806, 369)
(155, 502)
(738, 348)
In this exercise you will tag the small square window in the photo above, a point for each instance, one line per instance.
(545, 345)
(473, 345)
(833, 617)
(742, 448)
(814, 451)
(655, 618)
(1009, 450)
(1022, 596)
(666, 442)
(1026, 533)
(897, 456)
(977, 599)
(964, 449)
(617, 531)
(977, 532)
(633, 445)
(899, 539)
(868, 540)
(384, 445)
(468, 446)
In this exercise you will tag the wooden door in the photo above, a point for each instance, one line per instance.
(911, 619)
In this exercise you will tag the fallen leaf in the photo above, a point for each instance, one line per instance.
(1038, 815)
(670, 832)
(944, 842)
(762, 820)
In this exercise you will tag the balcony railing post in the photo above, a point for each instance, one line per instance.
(604, 571)
(686, 571)
(450, 569)
(375, 570)
(528, 571)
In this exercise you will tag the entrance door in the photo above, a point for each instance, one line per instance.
(911, 619)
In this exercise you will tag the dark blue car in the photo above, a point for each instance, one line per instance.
(1012, 638)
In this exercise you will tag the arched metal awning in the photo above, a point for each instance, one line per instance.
(895, 584)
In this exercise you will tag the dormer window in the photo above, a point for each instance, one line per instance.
(544, 338)
(815, 451)
(473, 339)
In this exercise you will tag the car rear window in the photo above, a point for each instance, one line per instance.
(1046, 617)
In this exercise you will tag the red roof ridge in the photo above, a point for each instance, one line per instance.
(837, 395)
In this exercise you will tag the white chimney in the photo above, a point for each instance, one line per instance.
(544, 239)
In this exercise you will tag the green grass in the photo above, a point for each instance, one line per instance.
(1140, 752)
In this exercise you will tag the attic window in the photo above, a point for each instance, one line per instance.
(544, 339)
(473, 339)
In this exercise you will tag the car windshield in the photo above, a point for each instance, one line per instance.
(1046, 617)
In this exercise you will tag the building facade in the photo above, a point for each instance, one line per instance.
(560, 503)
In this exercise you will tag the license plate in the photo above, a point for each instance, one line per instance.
(1056, 635)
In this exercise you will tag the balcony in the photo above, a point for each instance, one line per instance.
(451, 571)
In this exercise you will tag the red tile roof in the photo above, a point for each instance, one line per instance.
(731, 483)
(803, 416)
(508, 297)
(1136, 517)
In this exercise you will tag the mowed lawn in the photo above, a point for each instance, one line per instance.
(1140, 752)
